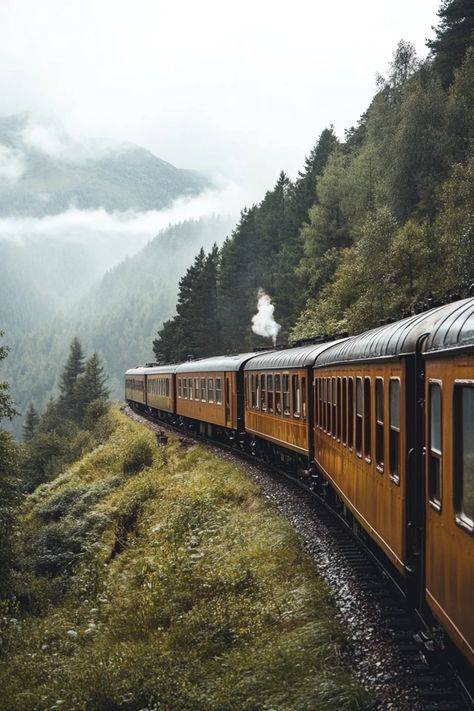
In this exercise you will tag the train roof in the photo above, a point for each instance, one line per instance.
(216, 363)
(299, 357)
(399, 338)
(151, 370)
(454, 330)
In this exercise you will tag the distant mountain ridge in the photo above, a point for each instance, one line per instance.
(44, 173)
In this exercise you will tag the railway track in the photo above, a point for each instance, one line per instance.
(388, 628)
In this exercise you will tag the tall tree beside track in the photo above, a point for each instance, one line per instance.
(195, 330)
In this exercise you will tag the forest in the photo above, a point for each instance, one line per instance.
(375, 227)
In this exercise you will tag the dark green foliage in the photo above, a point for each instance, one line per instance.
(195, 331)
(92, 385)
(69, 400)
(139, 456)
(9, 488)
(7, 409)
(31, 423)
(454, 35)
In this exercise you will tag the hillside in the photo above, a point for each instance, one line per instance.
(118, 318)
(160, 578)
(43, 174)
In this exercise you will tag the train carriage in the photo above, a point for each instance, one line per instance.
(448, 355)
(369, 431)
(135, 381)
(161, 390)
(278, 401)
(210, 393)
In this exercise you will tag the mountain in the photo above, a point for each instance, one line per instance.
(118, 317)
(44, 172)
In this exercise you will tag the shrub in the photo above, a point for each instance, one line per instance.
(139, 456)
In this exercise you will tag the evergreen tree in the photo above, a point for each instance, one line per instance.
(92, 385)
(7, 409)
(9, 471)
(74, 368)
(31, 423)
(454, 35)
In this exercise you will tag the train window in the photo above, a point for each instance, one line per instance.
(328, 405)
(185, 388)
(322, 385)
(257, 385)
(379, 426)
(219, 391)
(196, 388)
(210, 389)
(344, 411)
(320, 402)
(278, 394)
(167, 387)
(270, 393)
(203, 390)
(264, 392)
(286, 394)
(359, 416)
(367, 420)
(435, 445)
(296, 396)
(464, 453)
(190, 388)
(180, 388)
(394, 432)
(334, 394)
(303, 397)
(339, 410)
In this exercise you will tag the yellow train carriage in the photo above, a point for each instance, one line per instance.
(448, 356)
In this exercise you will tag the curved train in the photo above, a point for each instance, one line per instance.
(382, 423)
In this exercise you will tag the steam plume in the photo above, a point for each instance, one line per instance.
(263, 323)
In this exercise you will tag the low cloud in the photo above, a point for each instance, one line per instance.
(49, 138)
(113, 236)
(12, 164)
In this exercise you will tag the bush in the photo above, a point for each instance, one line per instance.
(138, 457)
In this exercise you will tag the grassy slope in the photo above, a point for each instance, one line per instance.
(173, 588)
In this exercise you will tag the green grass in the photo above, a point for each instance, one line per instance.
(166, 584)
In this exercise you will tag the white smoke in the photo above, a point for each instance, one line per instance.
(263, 323)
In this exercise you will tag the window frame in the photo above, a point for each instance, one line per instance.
(218, 390)
(210, 390)
(433, 454)
(465, 522)
(359, 428)
(392, 428)
(379, 426)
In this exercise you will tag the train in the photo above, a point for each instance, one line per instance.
(381, 424)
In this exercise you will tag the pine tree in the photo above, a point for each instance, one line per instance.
(92, 385)
(454, 34)
(74, 368)
(7, 409)
(31, 423)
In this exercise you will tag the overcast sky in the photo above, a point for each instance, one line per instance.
(240, 88)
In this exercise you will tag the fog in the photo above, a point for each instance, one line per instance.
(110, 237)
(242, 89)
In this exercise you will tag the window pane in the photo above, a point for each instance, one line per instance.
(296, 396)
(286, 394)
(379, 397)
(359, 396)
(203, 389)
(395, 403)
(278, 394)
(467, 449)
(219, 391)
(350, 413)
(270, 393)
(367, 418)
(264, 392)
(435, 417)
(210, 389)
